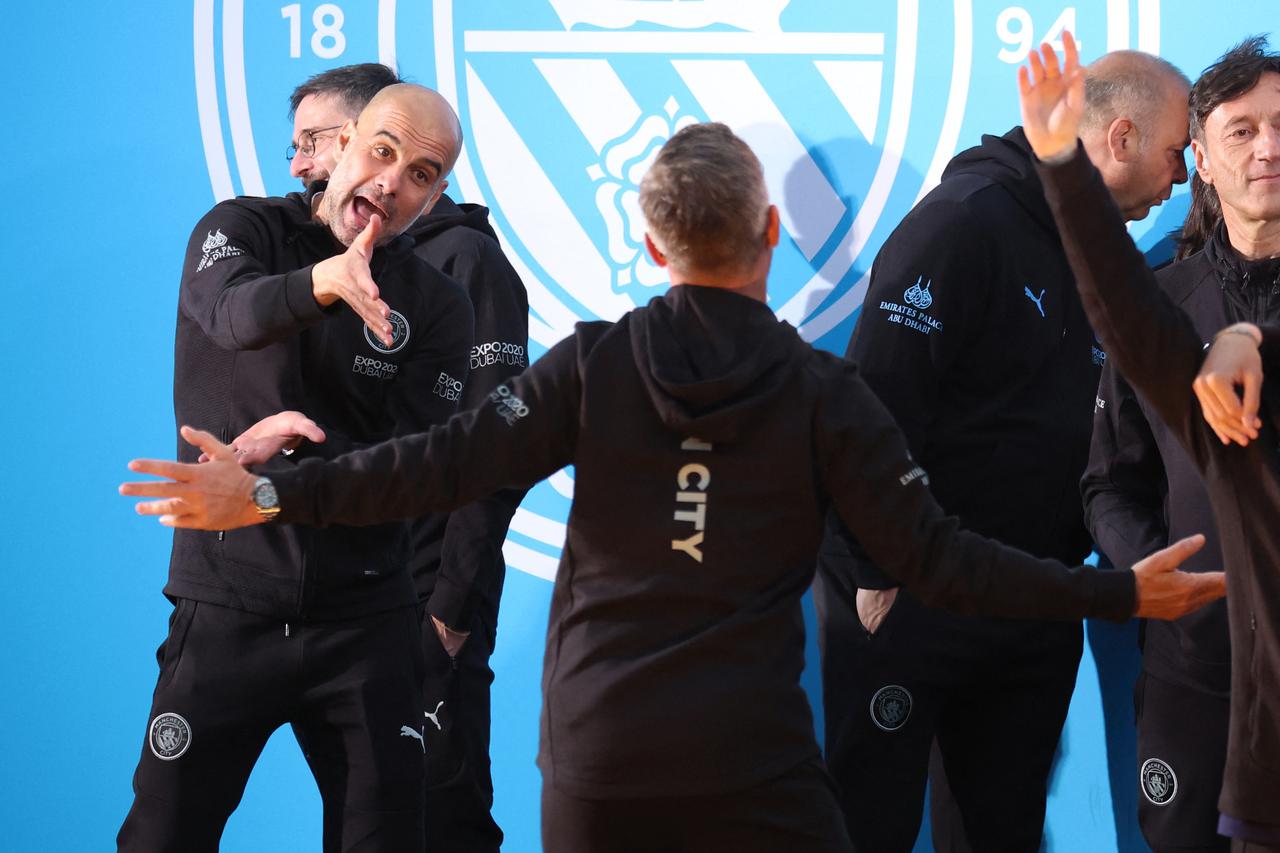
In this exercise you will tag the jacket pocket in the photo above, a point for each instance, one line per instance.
(169, 655)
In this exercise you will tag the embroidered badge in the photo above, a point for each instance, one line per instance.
(890, 707)
(1159, 784)
(169, 737)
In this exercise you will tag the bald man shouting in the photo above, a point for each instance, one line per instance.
(289, 307)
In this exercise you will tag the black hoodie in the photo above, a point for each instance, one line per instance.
(709, 441)
(457, 559)
(251, 342)
(973, 336)
(1157, 348)
(1142, 490)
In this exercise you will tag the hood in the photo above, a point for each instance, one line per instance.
(447, 214)
(1007, 160)
(712, 361)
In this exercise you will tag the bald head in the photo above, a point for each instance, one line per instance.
(1130, 84)
(425, 113)
(1135, 127)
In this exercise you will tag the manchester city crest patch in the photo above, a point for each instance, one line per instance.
(890, 707)
(169, 737)
(1158, 782)
(399, 335)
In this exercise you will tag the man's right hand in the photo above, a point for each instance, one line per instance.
(347, 277)
(1165, 592)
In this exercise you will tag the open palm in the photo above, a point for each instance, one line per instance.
(1052, 99)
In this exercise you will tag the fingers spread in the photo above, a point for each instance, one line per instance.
(1050, 60)
(165, 507)
(154, 489)
(162, 468)
(1071, 50)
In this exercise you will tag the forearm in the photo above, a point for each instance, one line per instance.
(471, 555)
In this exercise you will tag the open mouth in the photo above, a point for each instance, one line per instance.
(365, 209)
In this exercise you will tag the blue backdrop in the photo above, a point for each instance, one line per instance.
(130, 120)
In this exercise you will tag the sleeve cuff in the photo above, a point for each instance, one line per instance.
(1270, 349)
(1115, 595)
(451, 605)
(299, 295)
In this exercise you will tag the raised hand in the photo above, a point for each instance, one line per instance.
(1164, 592)
(215, 495)
(1052, 99)
(347, 277)
(1233, 363)
(272, 434)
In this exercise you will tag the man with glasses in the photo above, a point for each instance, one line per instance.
(318, 627)
(457, 563)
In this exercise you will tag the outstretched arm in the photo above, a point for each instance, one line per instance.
(1154, 345)
(883, 496)
(526, 431)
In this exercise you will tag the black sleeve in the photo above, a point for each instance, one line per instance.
(527, 430)
(1150, 340)
(883, 497)
(226, 289)
(473, 536)
(1124, 484)
(939, 259)
(1270, 349)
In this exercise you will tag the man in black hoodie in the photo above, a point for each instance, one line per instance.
(973, 336)
(318, 628)
(1158, 348)
(1142, 490)
(457, 563)
(709, 441)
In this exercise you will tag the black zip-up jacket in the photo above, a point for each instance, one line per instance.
(709, 441)
(973, 336)
(1156, 347)
(457, 559)
(251, 342)
(1142, 490)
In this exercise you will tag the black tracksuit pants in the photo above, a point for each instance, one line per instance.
(228, 679)
(455, 720)
(1182, 749)
(795, 813)
(994, 693)
(459, 782)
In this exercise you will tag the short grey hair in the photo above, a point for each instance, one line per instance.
(1128, 84)
(705, 201)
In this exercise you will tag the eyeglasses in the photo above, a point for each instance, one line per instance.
(307, 142)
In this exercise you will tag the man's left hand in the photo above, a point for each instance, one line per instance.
(451, 640)
(214, 495)
(271, 435)
(1233, 363)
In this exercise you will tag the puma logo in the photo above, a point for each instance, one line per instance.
(1035, 299)
(434, 716)
(405, 731)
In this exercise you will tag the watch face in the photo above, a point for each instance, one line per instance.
(264, 495)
